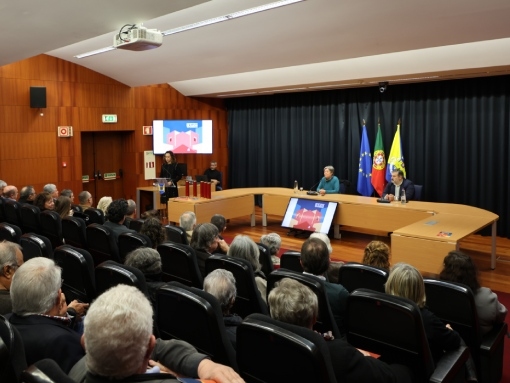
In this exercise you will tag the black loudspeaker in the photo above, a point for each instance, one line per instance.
(38, 97)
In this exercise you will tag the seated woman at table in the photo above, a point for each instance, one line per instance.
(204, 240)
(377, 254)
(329, 184)
(460, 268)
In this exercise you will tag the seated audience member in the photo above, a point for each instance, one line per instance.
(27, 195)
(11, 258)
(221, 223)
(334, 266)
(131, 212)
(68, 193)
(151, 214)
(394, 189)
(273, 242)
(222, 285)
(296, 304)
(460, 268)
(115, 215)
(103, 204)
(39, 314)
(52, 190)
(243, 247)
(120, 345)
(315, 261)
(44, 201)
(329, 184)
(63, 206)
(188, 221)
(11, 192)
(85, 200)
(214, 175)
(377, 254)
(3, 184)
(204, 241)
(152, 228)
(148, 261)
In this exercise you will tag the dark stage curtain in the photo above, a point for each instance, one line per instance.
(455, 138)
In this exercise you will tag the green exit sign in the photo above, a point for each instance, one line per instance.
(109, 118)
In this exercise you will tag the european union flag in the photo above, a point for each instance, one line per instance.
(365, 187)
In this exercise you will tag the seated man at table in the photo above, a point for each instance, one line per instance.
(329, 184)
(294, 303)
(214, 175)
(398, 186)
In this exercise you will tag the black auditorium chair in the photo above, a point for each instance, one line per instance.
(35, 245)
(202, 324)
(74, 232)
(95, 215)
(248, 300)
(76, 208)
(30, 218)
(77, 272)
(291, 260)
(179, 263)
(455, 304)
(83, 216)
(12, 212)
(136, 224)
(354, 275)
(45, 371)
(128, 242)
(325, 321)
(51, 227)
(300, 354)
(12, 352)
(110, 274)
(9, 232)
(418, 192)
(265, 260)
(392, 327)
(176, 234)
(101, 244)
(2, 211)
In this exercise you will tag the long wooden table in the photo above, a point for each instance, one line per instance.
(422, 232)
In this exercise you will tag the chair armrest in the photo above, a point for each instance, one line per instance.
(450, 368)
(493, 338)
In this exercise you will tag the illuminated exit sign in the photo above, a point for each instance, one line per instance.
(109, 118)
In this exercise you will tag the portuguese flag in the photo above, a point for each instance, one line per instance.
(379, 164)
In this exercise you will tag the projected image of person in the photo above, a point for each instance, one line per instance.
(170, 169)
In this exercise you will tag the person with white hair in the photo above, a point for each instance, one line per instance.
(52, 190)
(273, 241)
(188, 221)
(2, 185)
(40, 314)
(120, 345)
(11, 258)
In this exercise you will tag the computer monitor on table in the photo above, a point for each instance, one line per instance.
(309, 215)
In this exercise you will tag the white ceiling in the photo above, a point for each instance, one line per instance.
(315, 44)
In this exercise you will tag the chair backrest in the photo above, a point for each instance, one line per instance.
(265, 260)
(301, 354)
(110, 274)
(95, 215)
(12, 212)
(291, 260)
(390, 326)
(74, 232)
(2, 211)
(9, 232)
(78, 273)
(76, 208)
(326, 321)
(51, 227)
(82, 215)
(101, 244)
(128, 242)
(136, 224)
(418, 192)
(179, 263)
(45, 371)
(176, 234)
(12, 352)
(455, 304)
(354, 275)
(202, 324)
(35, 245)
(248, 300)
(30, 218)
(345, 187)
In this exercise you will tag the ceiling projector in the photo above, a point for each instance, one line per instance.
(138, 38)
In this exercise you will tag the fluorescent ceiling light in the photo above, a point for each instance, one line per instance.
(230, 16)
(96, 52)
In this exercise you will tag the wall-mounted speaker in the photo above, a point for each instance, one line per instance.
(38, 97)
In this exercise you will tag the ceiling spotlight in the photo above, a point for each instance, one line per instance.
(382, 86)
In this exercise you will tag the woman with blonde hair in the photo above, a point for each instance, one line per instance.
(103, 204)
(377, 254)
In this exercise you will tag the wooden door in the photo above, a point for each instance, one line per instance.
(101, 157)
